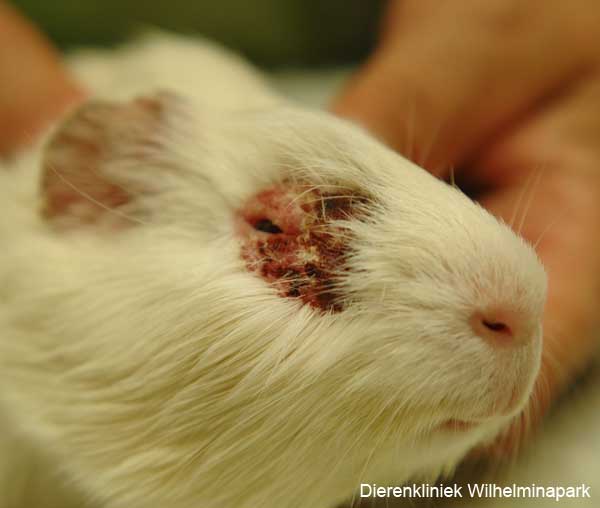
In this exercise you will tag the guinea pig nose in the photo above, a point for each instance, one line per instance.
(499, 327)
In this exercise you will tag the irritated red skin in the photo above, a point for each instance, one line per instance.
(304, 252)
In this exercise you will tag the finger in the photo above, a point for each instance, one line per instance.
(559, 148)
(452, 76)
(565, 133)
(35, 86)
(562, 221)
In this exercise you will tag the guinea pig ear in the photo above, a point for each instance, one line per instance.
(85, 161)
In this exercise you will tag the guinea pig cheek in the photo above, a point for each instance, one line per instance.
(293, 237)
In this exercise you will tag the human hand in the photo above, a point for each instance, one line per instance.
(507, 94)
(34, 86)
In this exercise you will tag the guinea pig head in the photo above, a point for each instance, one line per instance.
(265, 294)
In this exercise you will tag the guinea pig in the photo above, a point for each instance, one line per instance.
(210, 297)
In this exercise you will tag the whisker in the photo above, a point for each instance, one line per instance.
(428, 149)
(317, 187)
(547, 229)
(517, 206)
(409, 149)
(452, 179)
(534, 185)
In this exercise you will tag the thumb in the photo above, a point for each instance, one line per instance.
(35, 87)
(437, 99)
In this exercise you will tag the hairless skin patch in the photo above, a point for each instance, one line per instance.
(294, 238)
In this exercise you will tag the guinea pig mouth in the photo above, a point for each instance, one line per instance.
(293, 236)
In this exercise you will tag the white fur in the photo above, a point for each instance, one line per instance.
(157, 371)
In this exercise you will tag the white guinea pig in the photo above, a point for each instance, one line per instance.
(211, 298)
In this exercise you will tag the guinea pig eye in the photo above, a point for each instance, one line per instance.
(496, 326)
(267, 226)
(293, 236)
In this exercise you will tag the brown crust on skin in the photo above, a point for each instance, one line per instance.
(289, 239)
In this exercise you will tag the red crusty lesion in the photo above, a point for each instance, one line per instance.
(294, 238)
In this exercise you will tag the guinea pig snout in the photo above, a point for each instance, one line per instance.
(293, 236)
(501, 326)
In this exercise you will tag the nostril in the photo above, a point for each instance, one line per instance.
(496, 326)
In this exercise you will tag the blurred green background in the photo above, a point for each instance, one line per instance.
(272, 33)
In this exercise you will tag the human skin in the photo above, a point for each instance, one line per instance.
(35, 87)
(504, 96)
